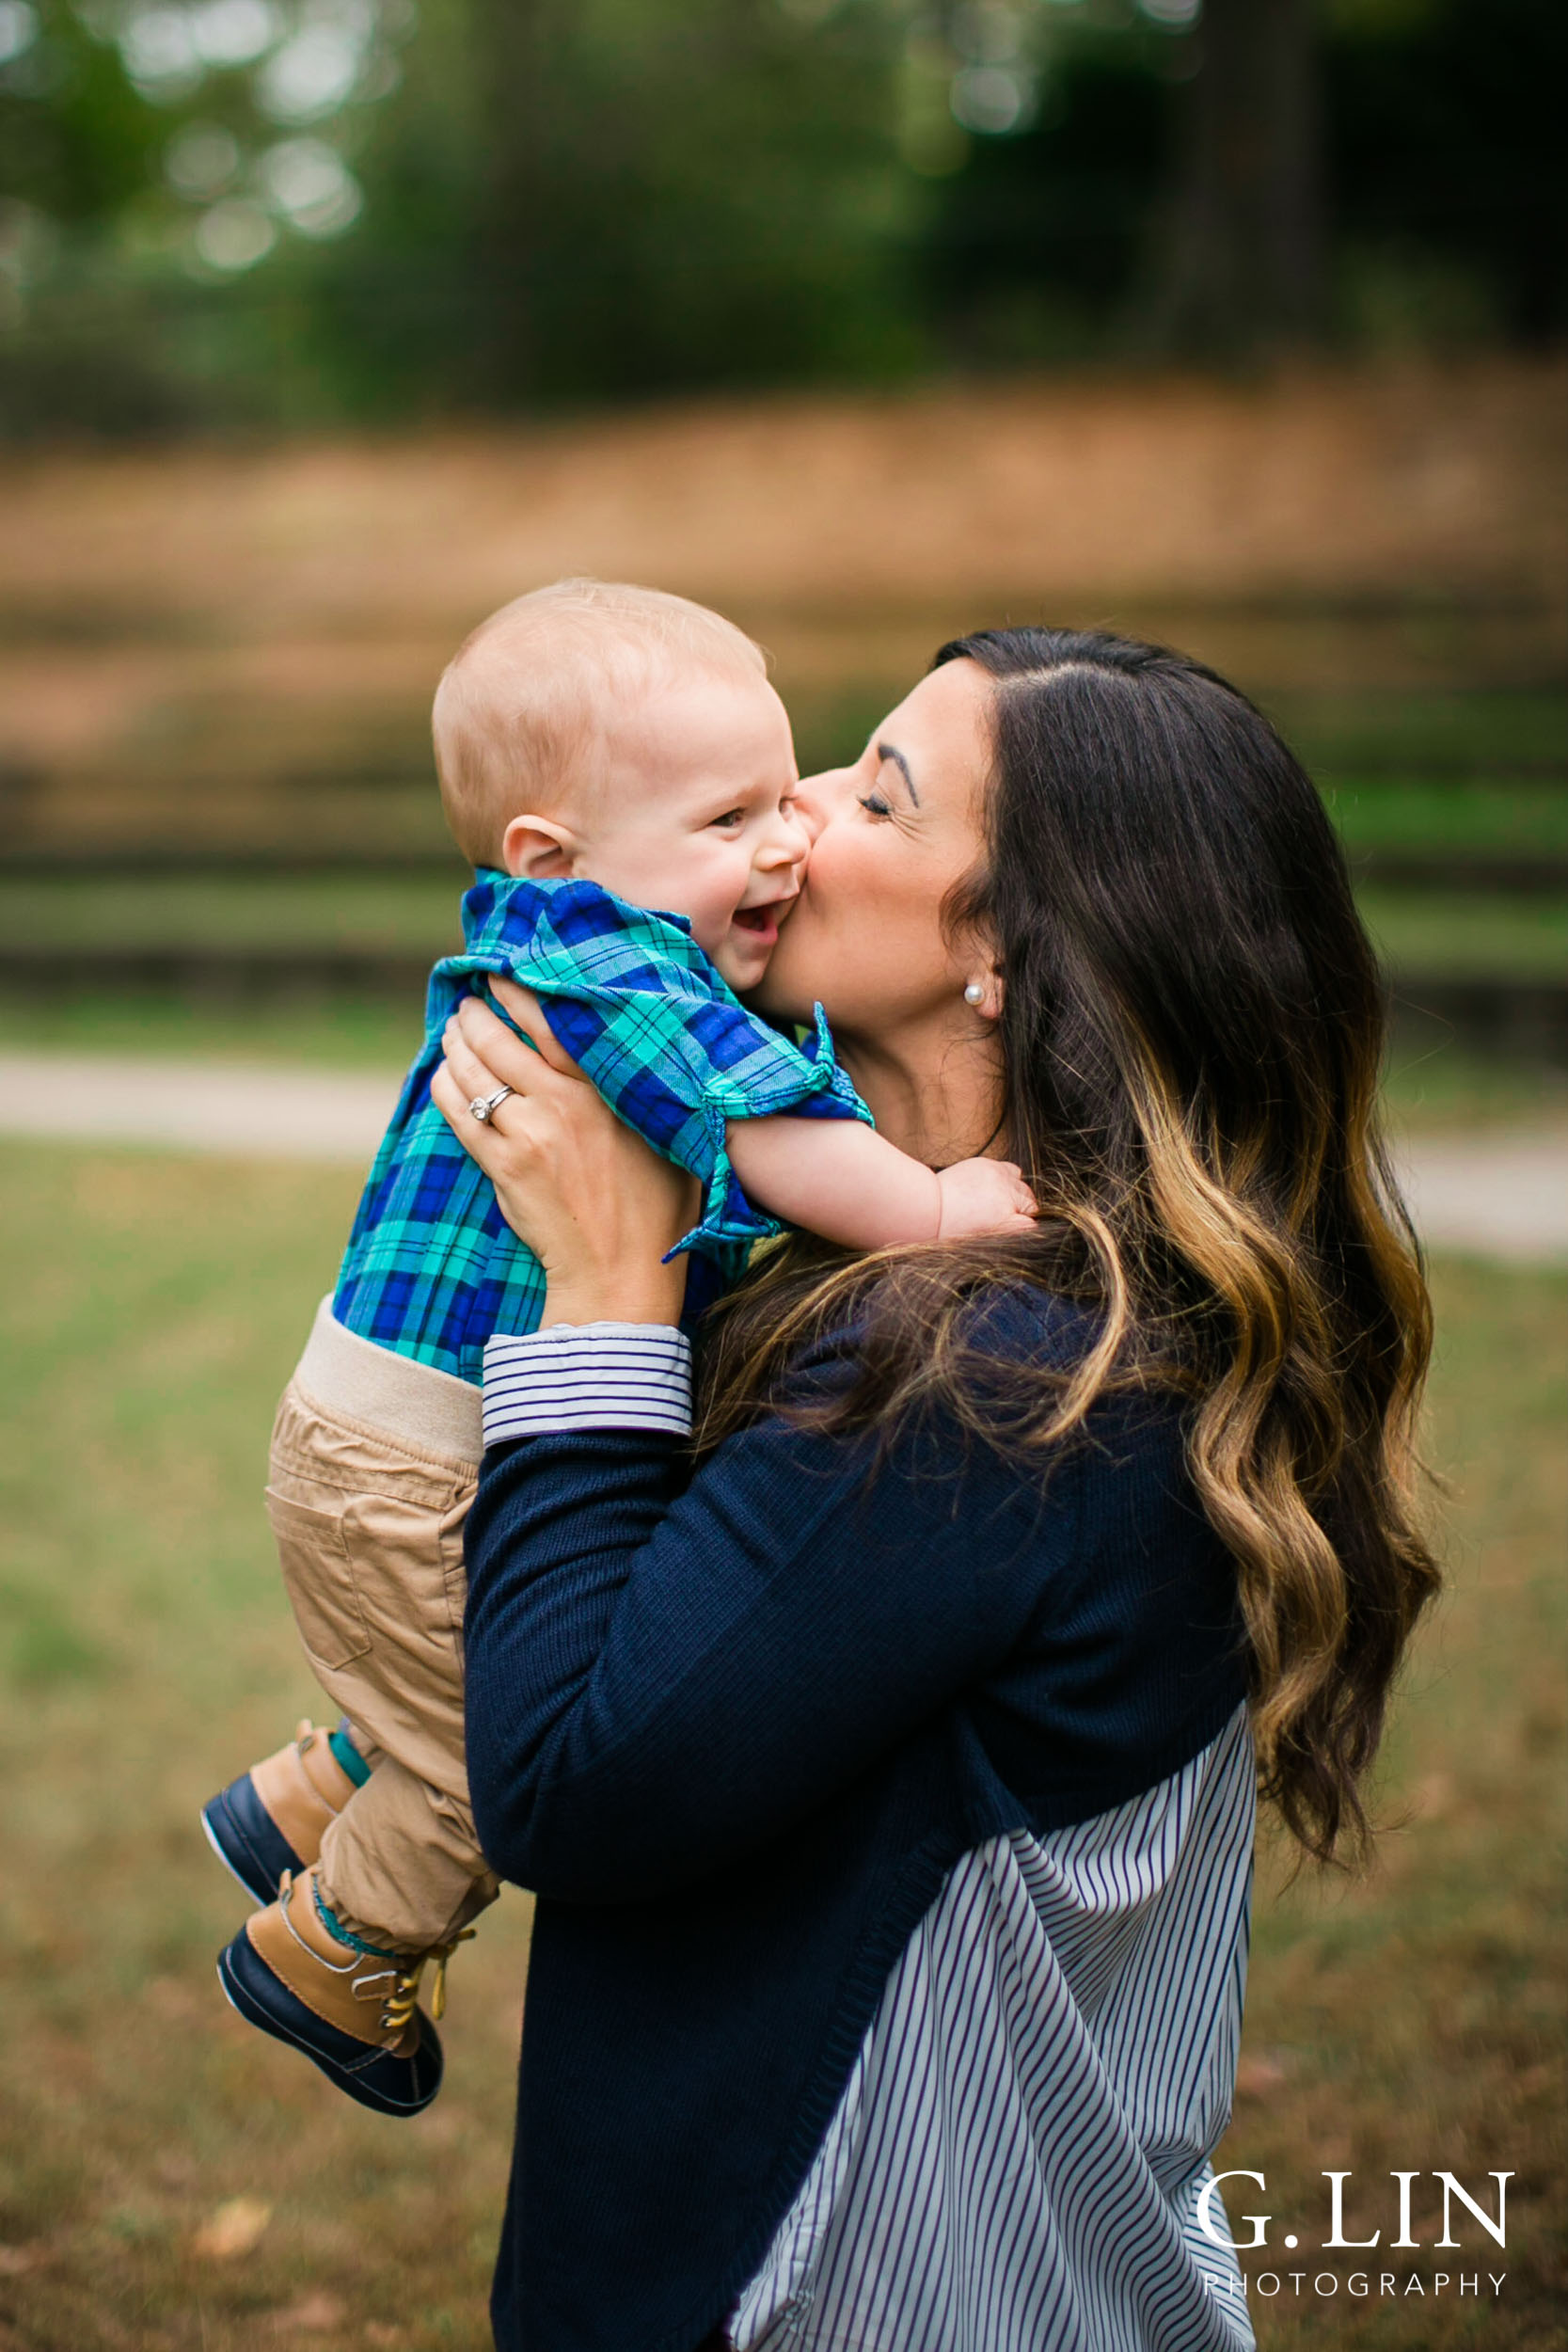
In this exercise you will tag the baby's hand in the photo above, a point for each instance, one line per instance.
(983, 1197)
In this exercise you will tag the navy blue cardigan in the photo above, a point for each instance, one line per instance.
(733, 1729)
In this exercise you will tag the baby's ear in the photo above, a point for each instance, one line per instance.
(539, 848)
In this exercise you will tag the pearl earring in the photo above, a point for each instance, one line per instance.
(975, 992)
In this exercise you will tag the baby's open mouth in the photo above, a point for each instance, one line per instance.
(761, 922)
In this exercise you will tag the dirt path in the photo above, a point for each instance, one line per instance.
(1499, 1194)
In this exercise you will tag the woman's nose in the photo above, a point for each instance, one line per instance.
(817, 799)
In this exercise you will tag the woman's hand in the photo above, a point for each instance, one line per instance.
(596, 1205)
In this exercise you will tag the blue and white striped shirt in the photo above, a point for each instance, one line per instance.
(1016, 2161)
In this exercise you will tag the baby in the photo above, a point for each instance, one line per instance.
(619, 771)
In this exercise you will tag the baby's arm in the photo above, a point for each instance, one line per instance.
(840, 1178)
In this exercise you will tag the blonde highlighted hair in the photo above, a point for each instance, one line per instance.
(530, 695)
(1192, 1036)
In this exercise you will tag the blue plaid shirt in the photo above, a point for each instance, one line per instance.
(432, 1267)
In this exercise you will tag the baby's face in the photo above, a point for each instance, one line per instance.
(693, 813)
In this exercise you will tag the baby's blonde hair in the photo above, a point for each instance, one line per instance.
(528, 696)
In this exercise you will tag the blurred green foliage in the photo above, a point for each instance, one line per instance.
(1444, 155)
(219, 212)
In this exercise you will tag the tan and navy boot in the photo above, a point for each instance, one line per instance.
(273, 1818)
(352, 2010)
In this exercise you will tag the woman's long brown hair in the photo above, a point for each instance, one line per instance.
(1192, 1039)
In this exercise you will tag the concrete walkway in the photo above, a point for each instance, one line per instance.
(1496, 1195)
(196, 1107)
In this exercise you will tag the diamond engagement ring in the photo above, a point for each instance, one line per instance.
(484, 1107)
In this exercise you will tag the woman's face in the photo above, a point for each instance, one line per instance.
(890, 837)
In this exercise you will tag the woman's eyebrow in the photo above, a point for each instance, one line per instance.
(887, 751)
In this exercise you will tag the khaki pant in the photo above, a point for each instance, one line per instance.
(373, 1464)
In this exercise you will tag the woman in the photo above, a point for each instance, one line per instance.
(885, 1767)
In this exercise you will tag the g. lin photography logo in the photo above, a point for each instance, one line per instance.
(1407, 2279)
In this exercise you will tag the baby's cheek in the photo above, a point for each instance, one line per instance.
(739, 971)
(710, 928)
(713, 899)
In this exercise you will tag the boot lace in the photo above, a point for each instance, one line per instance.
(399, 2002)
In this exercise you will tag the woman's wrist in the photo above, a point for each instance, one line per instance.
(653, 1297)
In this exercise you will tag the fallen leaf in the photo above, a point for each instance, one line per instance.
(169, 1999)
(310, 2317)
(1432, 1796)
(1256, 2076)
(232, 2229)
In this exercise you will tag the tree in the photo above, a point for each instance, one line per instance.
(1239, 254)
(684, 193)
(515, 49)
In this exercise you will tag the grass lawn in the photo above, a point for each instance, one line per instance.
(1434, 1085)
(1518, 820)
(169, 2180)
(1390, 732)
(339, 1031)
(1434, 934)
(380, 913)
(153, 1308)
(1413, 2021)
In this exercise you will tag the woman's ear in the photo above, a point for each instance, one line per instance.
(539, 849)
(982, 987)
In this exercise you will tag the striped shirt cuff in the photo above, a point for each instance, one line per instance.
(588, 1375)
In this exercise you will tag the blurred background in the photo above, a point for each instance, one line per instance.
(327, 324)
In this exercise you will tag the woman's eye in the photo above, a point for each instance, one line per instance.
(874, 805)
